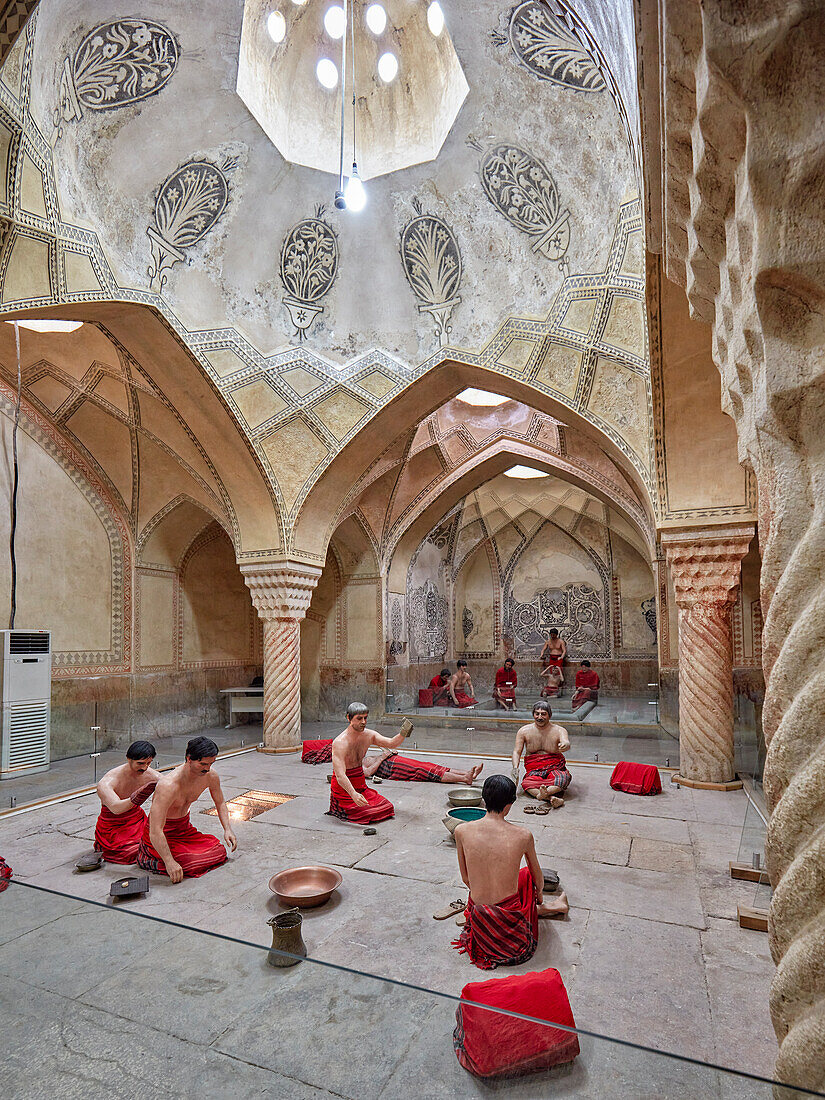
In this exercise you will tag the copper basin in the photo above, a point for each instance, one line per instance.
(305, 886)
(464, 796)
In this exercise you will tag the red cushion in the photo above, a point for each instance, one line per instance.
(489, 1044)
(636, 778)
(425, 697)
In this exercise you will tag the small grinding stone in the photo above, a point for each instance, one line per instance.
(370, 832)
(377, 780)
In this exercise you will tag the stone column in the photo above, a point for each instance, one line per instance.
(281, 593)
(705, 567)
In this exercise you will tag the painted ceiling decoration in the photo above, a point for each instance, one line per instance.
(432, 265)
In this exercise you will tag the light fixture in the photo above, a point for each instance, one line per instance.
(355, 192)
(376, 18)
(482, 398)
(388, 67)
(435, 18)
(525, 473)
(276, 27)
(48, 326)
(327, 73)
(335, 22)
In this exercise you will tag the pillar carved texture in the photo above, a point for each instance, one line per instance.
(745, 235)
(705, 570)
(281, 593)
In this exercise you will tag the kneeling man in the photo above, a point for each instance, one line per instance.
(121, 791)
(544, 744)
(506, 899)
(171, 845)
(349, 796)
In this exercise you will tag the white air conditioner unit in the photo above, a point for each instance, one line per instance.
(25, 702)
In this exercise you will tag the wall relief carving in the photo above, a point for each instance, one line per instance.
(118, 63)
(649, 613)
(467, 624)
(188, 204)
(396, 629)
(432, 265)
(520, 186)
(544, 39)
(309, 266)
(428, 620)
(576, 610)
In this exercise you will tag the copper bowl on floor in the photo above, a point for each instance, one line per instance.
(465, 796)
(305, 886)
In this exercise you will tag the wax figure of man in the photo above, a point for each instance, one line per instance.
(171, 845)
(554, 679)
(544, 744)
(506, 899)
(554, 650)
(461, 686)
(587, 686)
(440, 687)
(506, 683)
(349, 796)
(389, 765)
(122, 791)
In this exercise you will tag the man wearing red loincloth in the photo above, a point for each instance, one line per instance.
(461, 686)
(587, 686)
(440, 687)
(171, 845)
(554, 651)
(349, 796)
(506, 899)
(389, 765)
(504, 690)
(544, 744)
(122, 791)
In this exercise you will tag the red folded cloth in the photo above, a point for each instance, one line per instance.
(317, 752)
(342, 805)
(142, 793)
(425, 697)
(636, 778)
(196, 852)
(490, 1044)
(118, 836)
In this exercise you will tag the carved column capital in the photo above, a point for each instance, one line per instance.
(281, 590)
(705, 565)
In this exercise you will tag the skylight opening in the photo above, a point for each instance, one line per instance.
(482, 398)
(435, 19)
(388, 67)
(335, 21)
(276, 27)
(48, 326)
(376, 18)
(526, 473)
(327, 73)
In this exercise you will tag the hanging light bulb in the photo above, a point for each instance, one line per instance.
(355, 192)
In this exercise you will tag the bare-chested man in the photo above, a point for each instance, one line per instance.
(506, 899)
(350, 798)
(171, 845)
(122, 791)
(554, 650)
(544, 744)
(461, 686)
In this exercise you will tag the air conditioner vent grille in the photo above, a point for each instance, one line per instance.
(28, 734)
(22, 641)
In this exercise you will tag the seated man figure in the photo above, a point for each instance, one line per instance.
(121, 791)
(440, 687)
(350, 797)
(461, 686)
(544, 743)
(389, 765)
(171, 845)
(554, 680)
(504, 691)
(587, 686)
(506, 899)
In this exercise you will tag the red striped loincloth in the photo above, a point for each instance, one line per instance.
(545, 769)
(341, 805)
(316, 752)
(465, 700)
(505, 934)
(410, 771)
(196, 852)
(118, 836)
(583, 695)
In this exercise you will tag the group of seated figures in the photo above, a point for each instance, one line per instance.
(455, 689)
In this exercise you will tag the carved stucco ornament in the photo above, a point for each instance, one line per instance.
(309, 266)
(543, 39)
(432, 265)
(520, 186)
(118, 63)
(188, 204)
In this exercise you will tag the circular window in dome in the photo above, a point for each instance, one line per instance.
(335, 21)
(388, 67)
(276, 27)
(435, 18)
(327, 72)
(376, 18)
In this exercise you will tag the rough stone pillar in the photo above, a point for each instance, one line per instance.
(281, 593)
(705, 567)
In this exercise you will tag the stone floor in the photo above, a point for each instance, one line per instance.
(102, 1002)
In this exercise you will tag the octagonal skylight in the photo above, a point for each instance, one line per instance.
(410, 85)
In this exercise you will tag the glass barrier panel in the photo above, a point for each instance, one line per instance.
(98, 1000)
